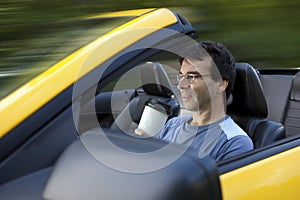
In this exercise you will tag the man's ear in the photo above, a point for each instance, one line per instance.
(223, 85)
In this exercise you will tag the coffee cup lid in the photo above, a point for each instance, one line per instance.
(159, 105)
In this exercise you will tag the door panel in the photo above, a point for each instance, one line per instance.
(276, 177)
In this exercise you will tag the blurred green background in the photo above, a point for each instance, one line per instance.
(264, 33)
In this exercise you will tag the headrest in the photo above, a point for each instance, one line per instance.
(295, 91)
(248, 96)
(155, 80)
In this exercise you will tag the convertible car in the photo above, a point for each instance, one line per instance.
(68, 132)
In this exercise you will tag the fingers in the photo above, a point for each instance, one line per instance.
(141, 133)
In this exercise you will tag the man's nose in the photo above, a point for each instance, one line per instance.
(183, 83)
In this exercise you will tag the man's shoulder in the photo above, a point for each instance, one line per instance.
(235, 146)
(235, 141)
(231, 129)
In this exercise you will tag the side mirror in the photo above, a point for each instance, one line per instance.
(90, 169)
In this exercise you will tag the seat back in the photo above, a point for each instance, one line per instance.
(276, 89)
(155, 85)
(249, 108)
(292, 116)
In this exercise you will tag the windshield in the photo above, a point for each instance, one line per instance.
(26, 55)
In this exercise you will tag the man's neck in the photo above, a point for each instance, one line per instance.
(205, 117)
(201, 120)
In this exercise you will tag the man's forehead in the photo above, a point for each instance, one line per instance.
(200, 65)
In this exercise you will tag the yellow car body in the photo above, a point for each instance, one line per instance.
(274, 177)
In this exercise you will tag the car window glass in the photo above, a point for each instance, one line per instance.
(132, 78)
(170, 62)
(112, 97)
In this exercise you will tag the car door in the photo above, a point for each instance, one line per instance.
(266, 173)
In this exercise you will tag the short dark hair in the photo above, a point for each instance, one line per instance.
(221, 56)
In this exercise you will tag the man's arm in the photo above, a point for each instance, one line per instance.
(235, 146)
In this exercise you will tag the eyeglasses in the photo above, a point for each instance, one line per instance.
(190, 77)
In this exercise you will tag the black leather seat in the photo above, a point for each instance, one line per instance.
(292, 115)
(155, 85)
(249, 108)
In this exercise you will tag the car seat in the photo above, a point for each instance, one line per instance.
(249, 108)
(155, 85)
(292, 115)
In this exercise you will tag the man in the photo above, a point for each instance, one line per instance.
(206, 80)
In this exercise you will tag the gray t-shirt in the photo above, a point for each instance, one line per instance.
(219, 140)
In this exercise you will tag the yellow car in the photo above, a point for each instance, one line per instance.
(66, 133)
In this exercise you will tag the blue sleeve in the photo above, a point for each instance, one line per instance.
(169, 130)
(235, 146)
(164, 132)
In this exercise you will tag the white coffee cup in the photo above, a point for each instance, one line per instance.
(152, 120)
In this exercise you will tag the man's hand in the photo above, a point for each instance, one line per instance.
(141, 133)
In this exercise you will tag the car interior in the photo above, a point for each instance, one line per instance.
(249, 108)
(155, 85)
(249, 104)
(283, 104)
(253, 104)
(292, 116)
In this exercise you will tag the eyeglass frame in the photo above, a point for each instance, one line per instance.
(190, 77)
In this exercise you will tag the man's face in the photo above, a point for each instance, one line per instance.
(198, 91)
